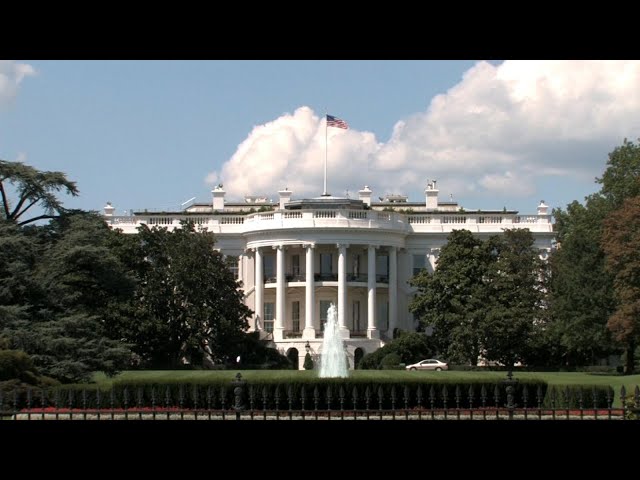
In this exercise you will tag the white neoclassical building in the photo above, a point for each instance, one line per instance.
(296, 257)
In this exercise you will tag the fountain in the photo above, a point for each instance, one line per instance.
(333, 360)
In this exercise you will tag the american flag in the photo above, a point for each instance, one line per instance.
(336, 122)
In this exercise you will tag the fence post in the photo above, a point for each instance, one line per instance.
(238, 393)
(510, 384)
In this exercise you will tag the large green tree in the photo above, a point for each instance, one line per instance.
(581, 290)
(187, 302)
(452, 300)
(59, 309)
(514, 292)
(621, 244)
(31, 188)
(485, 297)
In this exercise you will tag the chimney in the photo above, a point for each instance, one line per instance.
(285, 197)
(365, 195)
(542, 208)
(431, 195)
(108, 210)
(218, 197)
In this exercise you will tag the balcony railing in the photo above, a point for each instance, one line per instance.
(327, 277)
(366, 219)
(358, 333)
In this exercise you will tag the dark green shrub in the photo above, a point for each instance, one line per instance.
(390, 361)
(371, 361)
(308, 362)
(256, 355)
(410, 346)
(16, 364)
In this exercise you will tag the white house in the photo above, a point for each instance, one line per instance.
(296, 257)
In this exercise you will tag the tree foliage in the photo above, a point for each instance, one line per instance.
(620, 180)
(59, 307)
(187, 303)
(621, 244)
(484, 298)
(582, 292)
(514, 297)
(451, 300)
(32, 188)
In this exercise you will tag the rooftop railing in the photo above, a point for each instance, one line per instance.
(355, 219)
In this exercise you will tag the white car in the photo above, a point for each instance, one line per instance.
(429, 364)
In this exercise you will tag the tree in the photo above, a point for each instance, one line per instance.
(580, 289)
(485, 297)
(620, 180)
(621, 244)
(187, 302)
(58, 310)
(453, 299)
(581, 299)
(33, 188)
(514, 295)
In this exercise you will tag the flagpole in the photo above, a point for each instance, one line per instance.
(324, 194)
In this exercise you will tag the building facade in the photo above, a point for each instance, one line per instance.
(296, 257)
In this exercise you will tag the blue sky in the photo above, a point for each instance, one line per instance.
(153, 134)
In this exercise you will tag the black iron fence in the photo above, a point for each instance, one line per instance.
(254, 401)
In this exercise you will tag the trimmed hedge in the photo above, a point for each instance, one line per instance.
(317, 393)
(572, 396)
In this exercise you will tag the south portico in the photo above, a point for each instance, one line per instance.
(359, 277)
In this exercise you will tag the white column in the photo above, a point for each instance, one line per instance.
(393, 290)
(310, 298)
(259, 285)
(342, 289)
(372, 330)
(278, 331)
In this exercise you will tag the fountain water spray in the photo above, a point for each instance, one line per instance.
(333, 359)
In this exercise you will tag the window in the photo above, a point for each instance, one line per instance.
(419, 262)
(295, 265)
(295, 316)
(269, 315)
(356, 265)
(326, 261)
(383, 315)
(356, 316)
(232, 264)
(382, 268)
(269, 270)
(324, 307)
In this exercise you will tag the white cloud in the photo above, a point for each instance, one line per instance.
(495, 132)
(11, 75)
(290, 152)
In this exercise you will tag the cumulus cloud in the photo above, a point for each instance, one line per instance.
(290, 152)
(11, 75)
(495, 132)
